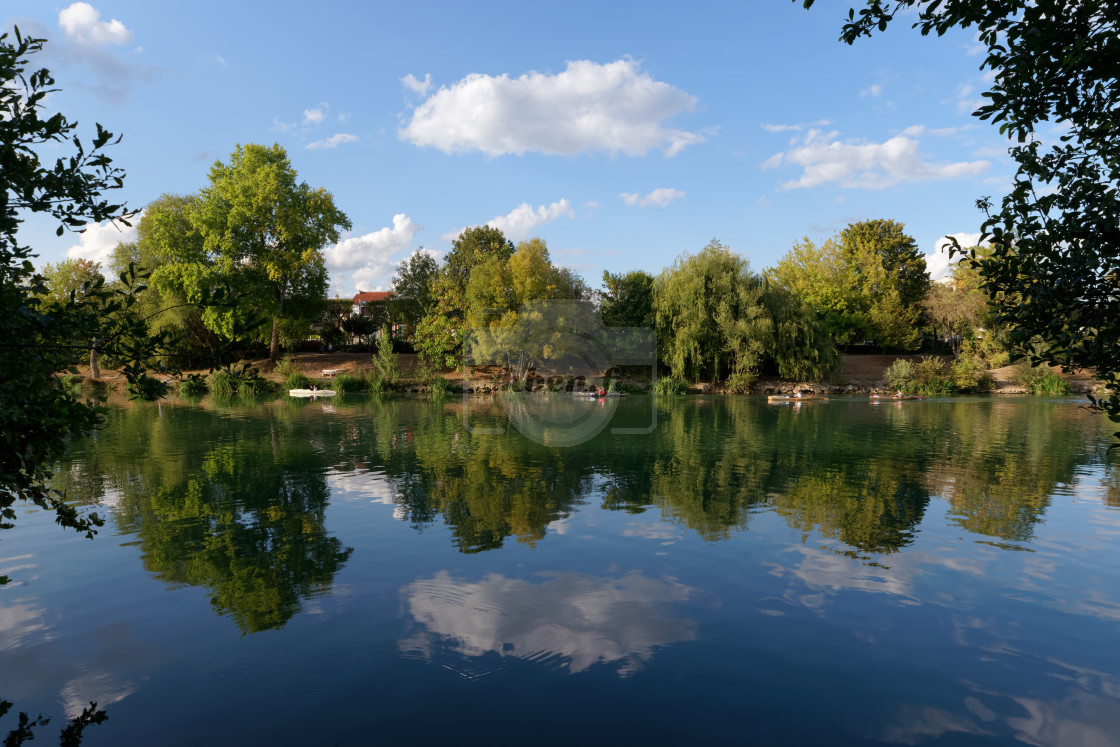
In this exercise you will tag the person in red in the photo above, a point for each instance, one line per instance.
(601, 392)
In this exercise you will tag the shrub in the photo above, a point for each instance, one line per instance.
(900, 375)
(348, 384)
(624, 387)
(740, 382)
(968, 373)
(194, 385)
(253, 385)
(147, 387)
(1041, 381)
(70, 384)
(297, 380)
(385, 361)
(285, 368)
(670, 385)
(221, 383)
(933, 376)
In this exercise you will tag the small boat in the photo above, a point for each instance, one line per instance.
(312, 392)
(892, 397)
(596, 395)
(790, 398)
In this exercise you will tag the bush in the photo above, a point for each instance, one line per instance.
(348, 384)
(252, 385)
(933, 376)
(70, 384)
(286, 367)
(1041, 381)
(192, 386)
(147, 387)
(900, 375)
(969, 373)
(221, 383)
(624, 387)
(670, 385)
(385, 361)
(297, 380)
(740, 382)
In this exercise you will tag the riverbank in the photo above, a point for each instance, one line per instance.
(859, 374)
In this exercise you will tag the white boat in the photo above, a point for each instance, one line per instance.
(312, 392)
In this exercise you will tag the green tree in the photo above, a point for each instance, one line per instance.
(500, 298)
(439, 335)
(868, 282)
(1054, 268)
(627, 299)
(711, 321)
(37, 417)
(412, 287)
(824, 279)
(70, 277)
(261, 225)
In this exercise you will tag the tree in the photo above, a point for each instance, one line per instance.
(1054, 269)
(70, 276)
(627, 299)
(412, 287)
(711, 321)
(38, 342)
(439, 335)
(823, 278)
(263, 226)
(509, 326)
(867, 282)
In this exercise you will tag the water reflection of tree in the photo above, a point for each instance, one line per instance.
(861, 474)
(235, 505)
(485, 486)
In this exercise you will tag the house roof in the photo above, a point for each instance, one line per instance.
(367, 296)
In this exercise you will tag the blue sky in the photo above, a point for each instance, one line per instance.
(624, 133)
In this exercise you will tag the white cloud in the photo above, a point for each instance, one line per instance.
(82, 24)
(856, 164)
(874, 91)
(417, 86)
(797, 127)
(316, 115)
(659, 197)
(97, 241)
(966, 101)
(333, 141)
(938, 264)
(518, 223)
(368, 260)
(221, 60)
(919, 130)
(613, 108)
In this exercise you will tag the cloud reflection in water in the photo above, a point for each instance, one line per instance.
(583, 619)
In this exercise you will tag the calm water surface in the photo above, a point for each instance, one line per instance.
(403, 571)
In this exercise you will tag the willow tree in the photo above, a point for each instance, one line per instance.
(711, 320)
(261, 224)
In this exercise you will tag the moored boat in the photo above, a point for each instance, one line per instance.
(312, 392)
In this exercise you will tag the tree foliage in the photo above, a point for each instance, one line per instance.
(867, 283)
(1054, 269)
(711, 321)
(267, 230)
(37, 340)
(412, 287)
(627, 299)
(439, 335)
(509, 327)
